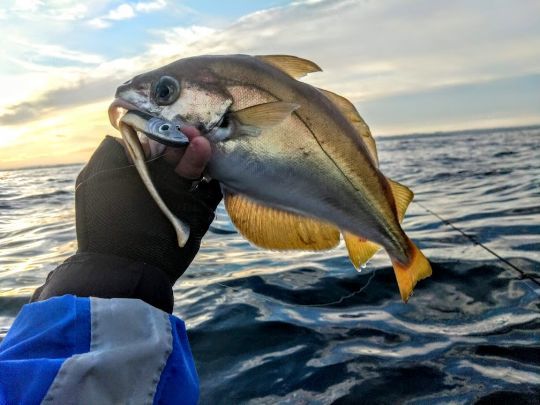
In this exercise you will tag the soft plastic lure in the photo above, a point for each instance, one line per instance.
(160, 130)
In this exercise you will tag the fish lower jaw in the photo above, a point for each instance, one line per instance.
(118, 108)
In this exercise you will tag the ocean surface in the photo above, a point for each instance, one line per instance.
(306, 328)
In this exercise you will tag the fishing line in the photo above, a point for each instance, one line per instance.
(338, 301)
(116, 169)
(472, 238)
(345, 297)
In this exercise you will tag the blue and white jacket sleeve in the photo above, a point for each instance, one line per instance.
(70, 350)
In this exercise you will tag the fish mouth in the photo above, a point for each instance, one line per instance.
(156, 129)
(118, 108)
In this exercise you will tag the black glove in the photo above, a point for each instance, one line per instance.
(127, 247)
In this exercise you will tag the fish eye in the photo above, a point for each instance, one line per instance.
(167, 90)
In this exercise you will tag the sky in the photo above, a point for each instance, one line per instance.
(408, 66)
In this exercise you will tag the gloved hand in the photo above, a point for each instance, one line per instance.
(126, 246)
(116, 214)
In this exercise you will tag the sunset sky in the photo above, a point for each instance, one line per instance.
(409, 66)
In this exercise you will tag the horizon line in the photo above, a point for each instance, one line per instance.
(378, 138)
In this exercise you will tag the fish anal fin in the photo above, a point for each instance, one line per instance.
(402, 197)
(265, 115)
(292, 65)
(408, 275)
(353, 116)
(271, 228)
(360, 249)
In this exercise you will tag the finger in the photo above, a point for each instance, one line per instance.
(190, 131)
(174, 155)
(195, 158)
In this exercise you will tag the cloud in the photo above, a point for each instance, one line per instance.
(74, 87)
(177, 42)
(368, 50)
(99, 23)
(148, 6)
(408, 66)
(61, 10)
(81, 93)
(122, 12)
(126, 11)
(27, 5)
(58, 52)
(373, 49)
(70, 13)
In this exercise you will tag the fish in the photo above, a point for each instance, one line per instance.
(297, 164)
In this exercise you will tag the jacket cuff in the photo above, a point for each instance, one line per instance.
(88, 274)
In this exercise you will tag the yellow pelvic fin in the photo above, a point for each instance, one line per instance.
(408, 275)
(271, 228)
(360, 249)
(402, 197)
(292, 65)
(351, 113)
(265, 115)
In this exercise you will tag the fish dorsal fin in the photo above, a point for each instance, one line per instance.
(402, 197)
(271, 228)
(360, 249)
(348, 109)
(292, 65)
(265, 115)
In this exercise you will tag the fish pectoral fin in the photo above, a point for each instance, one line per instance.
(402, 197)
(351, 113)
(292, 65)
(272, 228)
(360, 249)
(408, 275)
(264, 115)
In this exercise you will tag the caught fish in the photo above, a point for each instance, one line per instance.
(297, 164)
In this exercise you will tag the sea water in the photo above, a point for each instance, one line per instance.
(272, 327)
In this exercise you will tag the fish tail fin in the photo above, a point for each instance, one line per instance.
(409, 274)
(360, 249)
